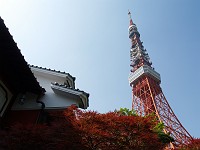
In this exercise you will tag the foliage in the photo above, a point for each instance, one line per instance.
(87, 130)
(58, 135)
(193, 145)
(127, 112)
(158, 128)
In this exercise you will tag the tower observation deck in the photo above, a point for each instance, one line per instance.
(147, 95)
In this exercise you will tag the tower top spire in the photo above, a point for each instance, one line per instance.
(138, 55)
(131, 21)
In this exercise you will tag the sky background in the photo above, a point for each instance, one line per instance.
(89, 40)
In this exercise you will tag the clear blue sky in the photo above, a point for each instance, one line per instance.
(89, 39)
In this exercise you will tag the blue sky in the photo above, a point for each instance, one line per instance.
(89, 39)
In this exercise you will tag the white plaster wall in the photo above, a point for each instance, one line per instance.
(45, 80)
(51, 100)
(53, 76)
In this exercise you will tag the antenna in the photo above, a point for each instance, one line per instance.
(129, 13)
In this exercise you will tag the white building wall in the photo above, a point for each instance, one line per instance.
(50, 99)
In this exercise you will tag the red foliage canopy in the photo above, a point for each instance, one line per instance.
(89, 130)
(115, 131)
(193, 145)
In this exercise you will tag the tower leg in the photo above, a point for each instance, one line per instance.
(148, 98)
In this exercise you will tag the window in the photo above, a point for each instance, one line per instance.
(3, 98)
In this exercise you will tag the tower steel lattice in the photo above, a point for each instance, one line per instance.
(147, 94)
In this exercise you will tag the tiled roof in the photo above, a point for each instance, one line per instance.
(48, 69)
(65, 86)
(14, 70)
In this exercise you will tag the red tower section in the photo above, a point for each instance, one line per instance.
(147, 93)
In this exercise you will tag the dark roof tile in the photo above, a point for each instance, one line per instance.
(53, 70)
(14, 70)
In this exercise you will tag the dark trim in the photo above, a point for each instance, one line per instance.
(1, 86)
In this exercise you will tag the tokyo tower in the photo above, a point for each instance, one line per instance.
(147, 95)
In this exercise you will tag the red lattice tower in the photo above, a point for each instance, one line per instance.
(147, 94)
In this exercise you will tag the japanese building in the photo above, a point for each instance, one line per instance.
(27, 91)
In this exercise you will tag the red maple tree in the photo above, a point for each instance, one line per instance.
(89, 130)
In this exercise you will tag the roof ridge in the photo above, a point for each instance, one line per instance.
(53, 70)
